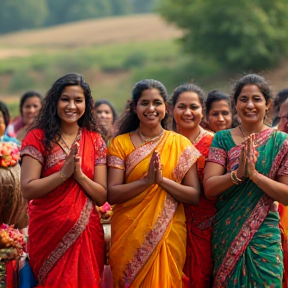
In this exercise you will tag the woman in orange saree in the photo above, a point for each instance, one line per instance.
(187, 102)
(66, 241)
(151, 171)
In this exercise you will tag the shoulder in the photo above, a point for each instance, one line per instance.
(35, 133)
(178, 137)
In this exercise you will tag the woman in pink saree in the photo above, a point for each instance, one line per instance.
(63, 174)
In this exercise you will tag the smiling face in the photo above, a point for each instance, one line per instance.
(220, 116)
(187, 111)
(104, 116)
(251, 104)
(150, 108)
(71, 104)
(30, 109)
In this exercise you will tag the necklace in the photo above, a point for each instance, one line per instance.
(64, 142)
(144, 141)
(240, 128)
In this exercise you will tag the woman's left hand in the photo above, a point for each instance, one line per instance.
(252, 156)
(78, 174)
(158, 169)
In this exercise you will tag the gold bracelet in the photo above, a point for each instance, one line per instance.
(235, 178)
(62, 177)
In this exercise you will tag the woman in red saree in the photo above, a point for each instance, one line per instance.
(151, 172)
(187, 103)
(63, 174)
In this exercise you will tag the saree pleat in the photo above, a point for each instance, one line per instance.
(246, 239)
(148, 232)
(66, 240)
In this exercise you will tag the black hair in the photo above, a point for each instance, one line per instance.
(27, 95)
(5, 112)
(215, 96)
(51, 125)
(104, 101)
(130, 121)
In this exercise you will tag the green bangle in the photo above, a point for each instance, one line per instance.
(235, 178)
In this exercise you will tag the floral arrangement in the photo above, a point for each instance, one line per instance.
(105, 211)
(12, 242)
(9, 154)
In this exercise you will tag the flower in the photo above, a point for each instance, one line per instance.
(105, 211)
(9, 154)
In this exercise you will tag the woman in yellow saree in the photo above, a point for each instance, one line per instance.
(151, 170)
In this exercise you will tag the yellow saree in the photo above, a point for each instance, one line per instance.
(149, 231)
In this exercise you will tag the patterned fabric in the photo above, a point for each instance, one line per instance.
(148, 231)
(199, 220)
(246, 240)
(64, 226)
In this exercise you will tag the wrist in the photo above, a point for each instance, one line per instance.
(80, 178)
(235, 179)
(255, 177)
(62, 176)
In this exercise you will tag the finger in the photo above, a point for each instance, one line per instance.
(77, 158)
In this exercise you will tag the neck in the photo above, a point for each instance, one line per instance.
(191, 134)
(148, 132)
(249, 128)
(69, 130)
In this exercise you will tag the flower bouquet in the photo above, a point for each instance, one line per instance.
(105, 213)
(12, 246)
(9, 154)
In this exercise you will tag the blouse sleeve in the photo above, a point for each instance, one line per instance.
(217, 151)
(116, 155)
(32, 145)
(100, 151)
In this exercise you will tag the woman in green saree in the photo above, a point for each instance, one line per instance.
(247, 169)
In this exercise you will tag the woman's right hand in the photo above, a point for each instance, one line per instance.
(69, 165)
(241, 170)
(151, 176)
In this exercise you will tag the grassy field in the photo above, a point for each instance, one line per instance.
(112, 54)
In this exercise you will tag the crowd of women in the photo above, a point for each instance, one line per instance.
(190, 208)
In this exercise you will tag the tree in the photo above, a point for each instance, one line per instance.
(22, 14)
(243, 34)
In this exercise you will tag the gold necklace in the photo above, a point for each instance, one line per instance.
(240, 128)
(141, 136)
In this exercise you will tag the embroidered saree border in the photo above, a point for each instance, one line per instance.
(150, 242)
(67, 241)
(242, 240)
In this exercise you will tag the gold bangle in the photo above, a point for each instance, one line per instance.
(235, 178)
(62, 177)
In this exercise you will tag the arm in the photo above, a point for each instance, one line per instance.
(118, 191)
(96, 189)
(32, 186)
(188, 191)
(214, 182)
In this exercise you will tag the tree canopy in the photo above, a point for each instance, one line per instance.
(242, 34)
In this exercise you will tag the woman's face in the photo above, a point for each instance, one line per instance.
(71, 105)
(187, 111)
(2, 124)
(220, 116)
(151, 108)
(30, 109)
(104, 116)
(251, 104)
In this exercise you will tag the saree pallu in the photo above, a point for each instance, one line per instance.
(246, 239)
(66, 241)
(199, 219)
(148, 232)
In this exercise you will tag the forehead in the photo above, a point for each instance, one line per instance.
(74, 90)
(283, 109)
(250, 89)
(220, 105)
(151, 94)
(188, 97)
(32, 100)
(104, 107)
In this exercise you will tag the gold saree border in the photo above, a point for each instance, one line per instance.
(67, 241)
(150, 242)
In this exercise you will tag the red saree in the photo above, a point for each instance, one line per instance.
(198, 266)
(66, 241)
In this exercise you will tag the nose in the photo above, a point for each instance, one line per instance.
(221, 118)
(187, 112)
(71, 104)
(151, 107)
(250, 104)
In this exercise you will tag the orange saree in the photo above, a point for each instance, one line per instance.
(66, 241)
(149, 232)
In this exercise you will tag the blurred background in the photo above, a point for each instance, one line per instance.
(115, 43)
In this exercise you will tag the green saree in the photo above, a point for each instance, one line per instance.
(246, 240)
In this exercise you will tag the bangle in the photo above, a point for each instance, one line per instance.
(235, 178)
(62, 177)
